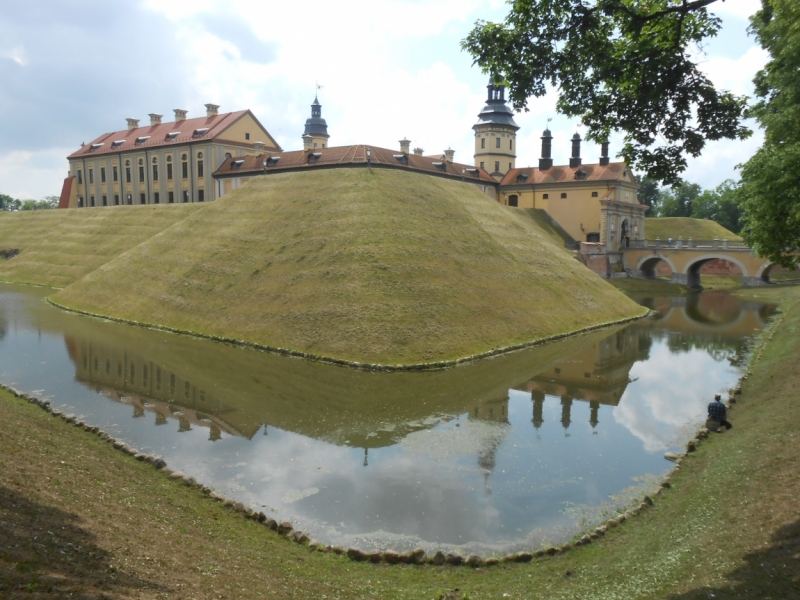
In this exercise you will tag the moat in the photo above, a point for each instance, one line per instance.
(503, 454)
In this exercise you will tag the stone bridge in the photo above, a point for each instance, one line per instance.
(686, 258)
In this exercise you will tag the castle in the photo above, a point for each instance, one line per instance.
(202, 159)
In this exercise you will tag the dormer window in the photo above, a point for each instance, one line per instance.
(314, 157)
(117, 143)
(401, 158)
(439, 165)
(522, 178)
(271, 161)
(199, 132)
(473, 172)
(142, 139)
(580, 174)
(237, 163)
(94, 147)
(171, 136)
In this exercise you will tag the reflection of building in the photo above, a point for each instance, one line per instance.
(598, 375)
(134, 380)
(494, 411)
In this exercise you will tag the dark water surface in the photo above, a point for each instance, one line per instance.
(503, 454)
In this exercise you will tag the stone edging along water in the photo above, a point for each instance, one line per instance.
(411, 557)
(425, 366)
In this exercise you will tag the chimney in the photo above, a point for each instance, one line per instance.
(132, 124)
(180, 114)
(418, 151)
(307, 143)
(212, 110)
(405, 146)
(575, 161)
(258, 146)
(155, 119)
(604, 160)
(449, 154)
(547, 143)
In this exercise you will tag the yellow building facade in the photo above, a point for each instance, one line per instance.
(162, 163)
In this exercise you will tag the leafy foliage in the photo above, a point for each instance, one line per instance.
(770, 193)
(678, 201)
(720, 205)
(619, 65)
(7, 203)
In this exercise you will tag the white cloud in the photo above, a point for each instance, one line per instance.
(33, 174)
(17, 54)
(736, 8)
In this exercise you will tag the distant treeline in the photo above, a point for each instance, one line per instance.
(8, 203)
(690, 200)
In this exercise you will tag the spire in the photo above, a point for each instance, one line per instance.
(496, 111)
(316, 127)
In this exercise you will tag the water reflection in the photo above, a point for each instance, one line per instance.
(506, 453)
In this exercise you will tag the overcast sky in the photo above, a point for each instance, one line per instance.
(72, 70)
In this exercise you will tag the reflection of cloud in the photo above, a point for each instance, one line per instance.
(471, 438)
(663, 405)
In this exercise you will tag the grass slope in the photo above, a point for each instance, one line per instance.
(376, 266)
(58, 247)
(541, 222)
(686, 227)
(79, 518)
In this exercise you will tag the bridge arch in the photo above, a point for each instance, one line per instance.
(692, 268)
(765, 270)
(647, 265)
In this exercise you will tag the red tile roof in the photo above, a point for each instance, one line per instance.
(66, 190)
(351, 156)
(157, 134)
(564, 174)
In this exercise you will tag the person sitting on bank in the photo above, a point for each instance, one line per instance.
(717, 415)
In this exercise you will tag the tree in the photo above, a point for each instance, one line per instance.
(770, 191)
(8, 203)
(47, 203)
(678, 201)
(720, 205)
(648, 191)
(618, 65)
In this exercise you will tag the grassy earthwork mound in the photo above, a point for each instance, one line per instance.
(686, 227)
(374, 266)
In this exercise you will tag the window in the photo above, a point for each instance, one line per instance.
(200, 167)
(116, 173)
(91, 200)
(496, 142)
(315, 145)
(201, 195)
(563, 194)
(169, 171)
(91, 175)
(513, 200)
(105, 200)
(142, 140)
(483, 142)
(117, 143)
(80, 177)
(199, 132)
(127, 174)
(130, 199)
(510, 144)
(142, 199)
(592, 237)
(116, 199)
(155, 172)
(170, 197)
(184, 169)
(545, 196)
(594, 194)
(172, 135)
(482, 167)
(185, 196)
(156, 198)
(323, 145)
(102, 174)
(247, 136)
(80, 201)
(228, 155)
(496, 166)
(141, 173)
(509, 166)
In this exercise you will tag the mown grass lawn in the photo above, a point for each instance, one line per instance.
(77, 517)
